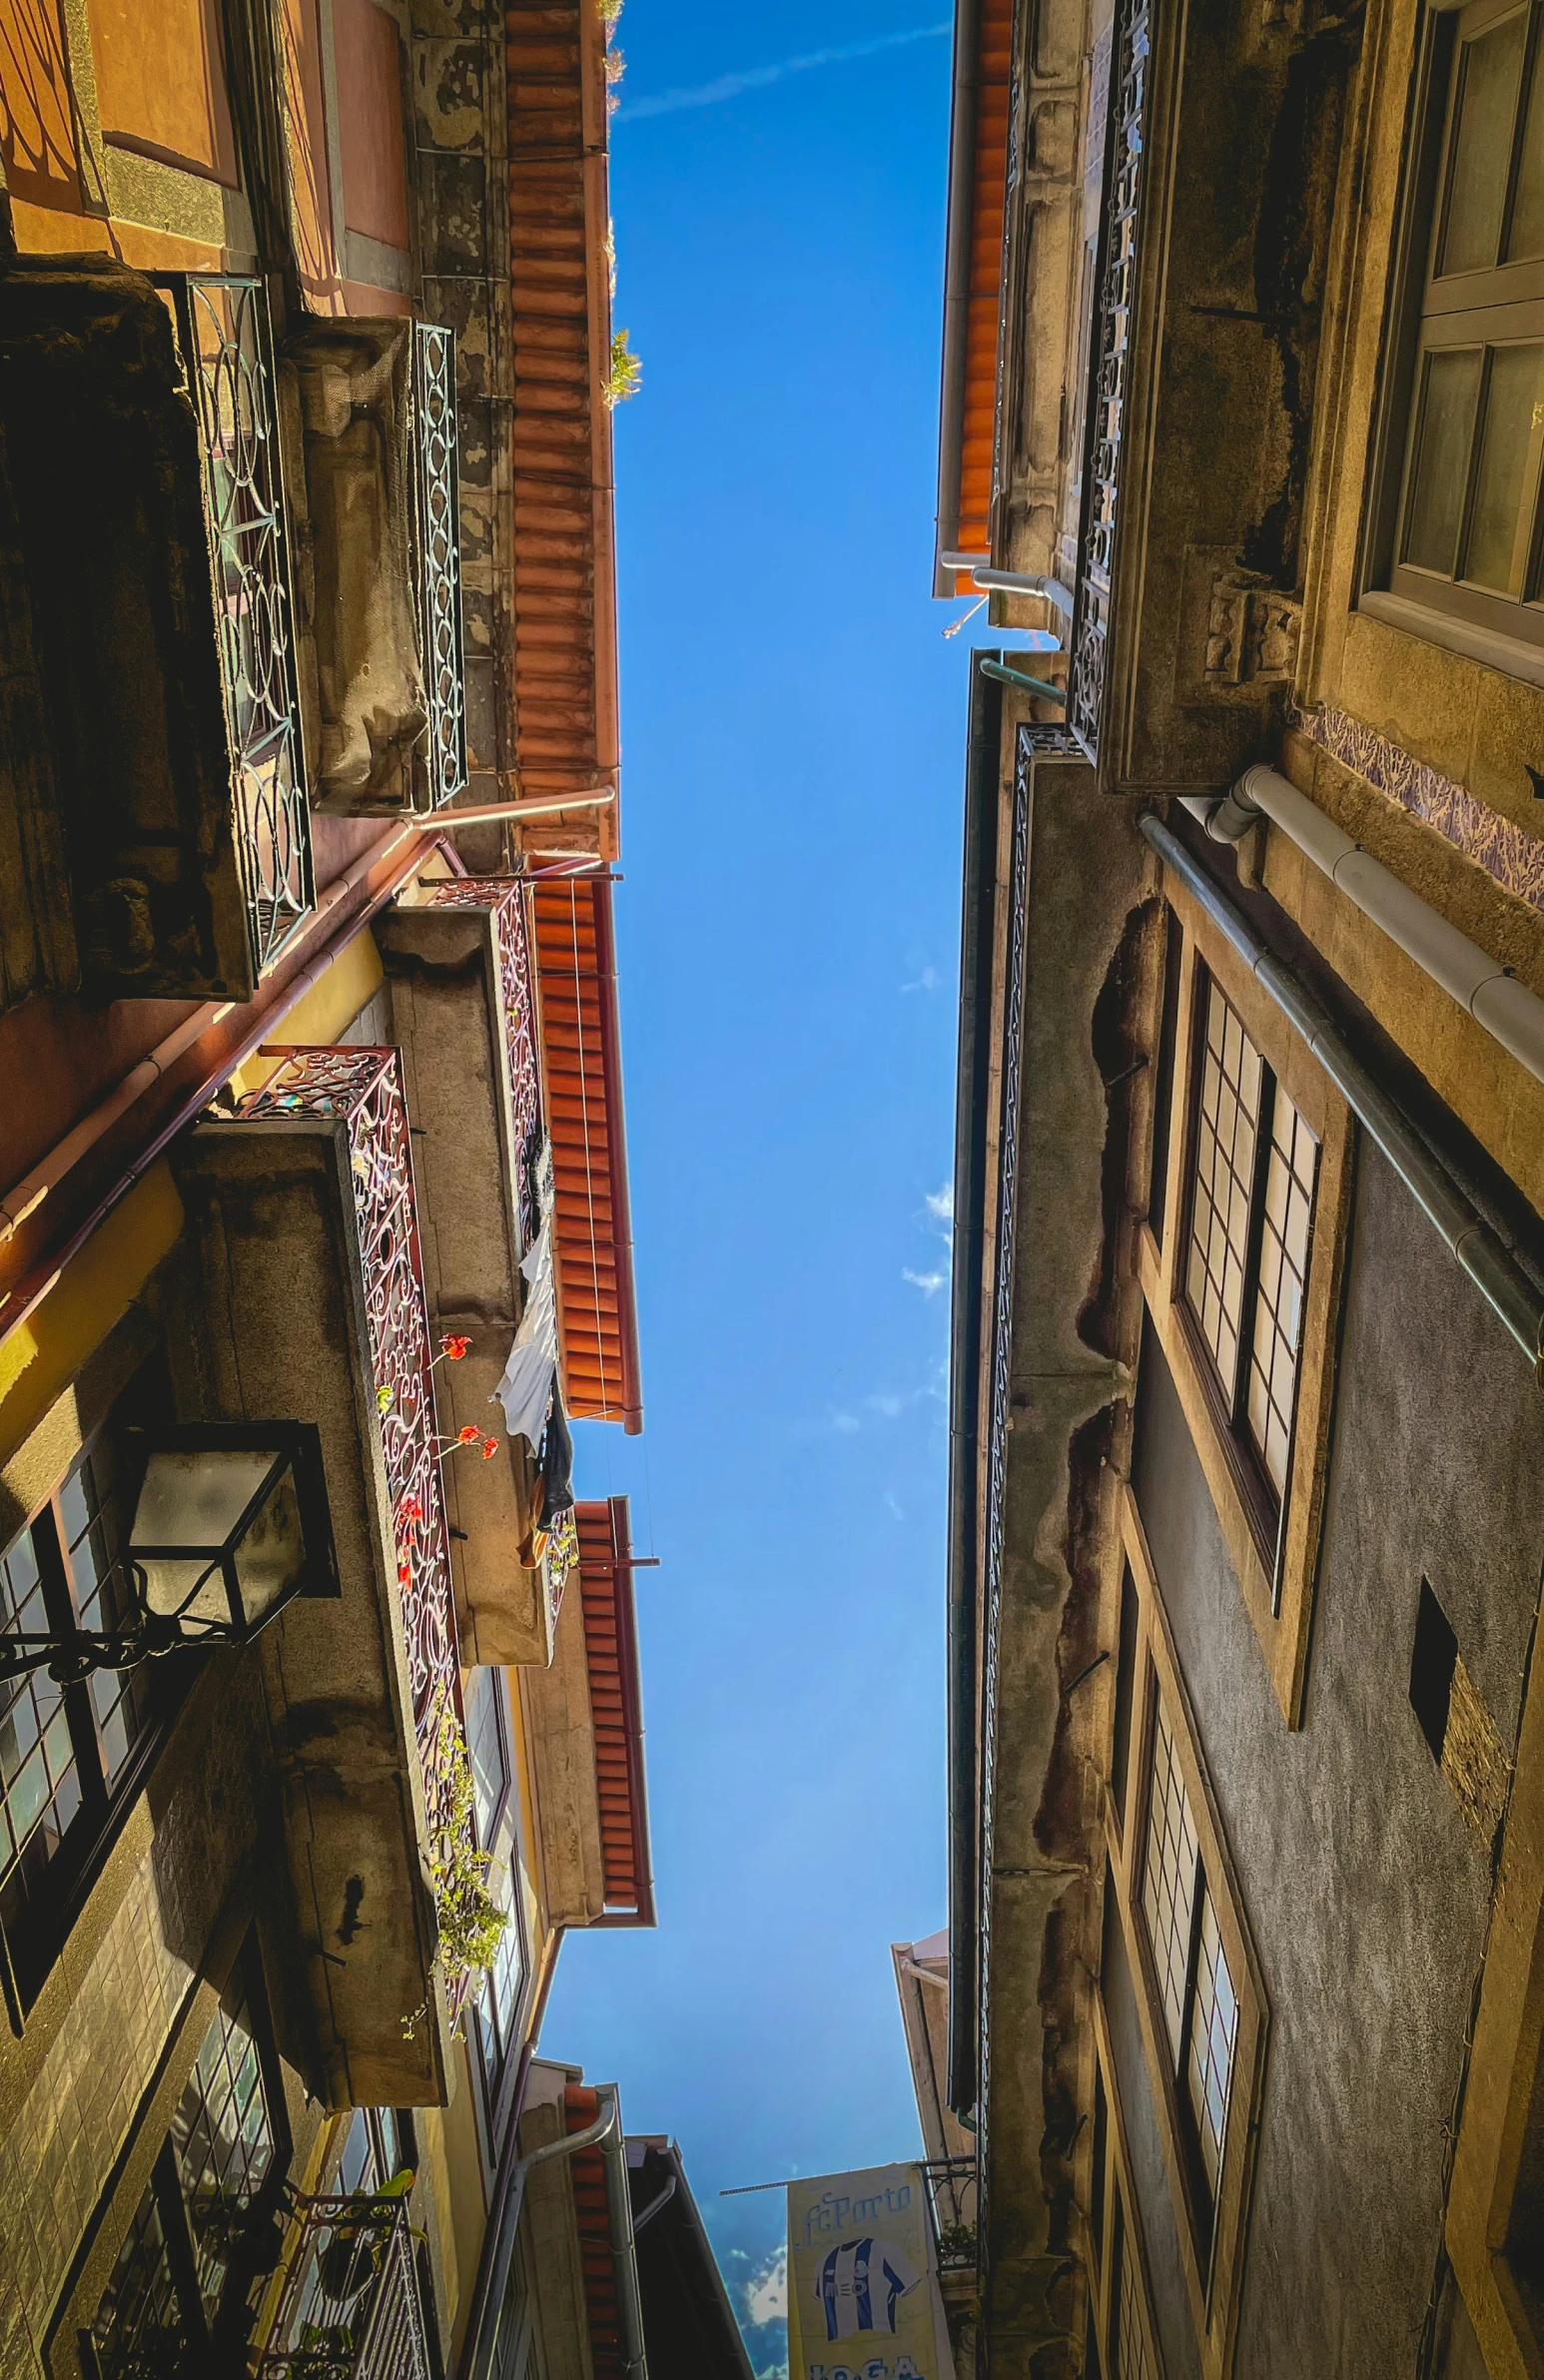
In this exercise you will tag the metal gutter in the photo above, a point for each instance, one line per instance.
(972, 1104)
(1489, 1263)
(1507, 1010)
(492, 2277)
(957, 284)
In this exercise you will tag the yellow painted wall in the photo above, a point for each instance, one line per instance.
(40, 1357)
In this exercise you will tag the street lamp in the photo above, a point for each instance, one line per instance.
(231, 1525)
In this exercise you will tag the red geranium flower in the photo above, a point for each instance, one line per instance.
(454, 1344)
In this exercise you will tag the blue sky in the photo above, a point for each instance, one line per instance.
(793, 732)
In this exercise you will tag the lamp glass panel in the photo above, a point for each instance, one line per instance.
(270, 1558)
(194, 1498)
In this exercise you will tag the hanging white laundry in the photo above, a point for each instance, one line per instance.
(526, 1391)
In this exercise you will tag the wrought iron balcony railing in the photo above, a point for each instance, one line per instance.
(226, 345)
(505, 897)
(953, 2201)
(349, 2307)
(362, 1088)
(1109, 369)
(437, 556)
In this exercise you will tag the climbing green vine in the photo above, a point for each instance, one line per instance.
(470, 1921)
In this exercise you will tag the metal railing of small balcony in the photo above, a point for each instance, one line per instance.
(505, 898)
(362, 1088)
(954, 2190)
(226, 345)
(438, 554)
(1108, 369)
(349, 2307)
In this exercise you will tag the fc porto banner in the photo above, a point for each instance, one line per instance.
(863, 2296)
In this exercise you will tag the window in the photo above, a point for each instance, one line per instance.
(373, 2153)
(70, 1755)
(498, 2009)
(1130, 2360)
(1466, 529)
(202, 2235)
(1246, 1250)
(1164, 1086)
(1195, 1985)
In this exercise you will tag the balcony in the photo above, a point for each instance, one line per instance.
(368, 421)
(457, 954)
(349, 2307)
(953, 2196)
(310, 1302)
(154, 743)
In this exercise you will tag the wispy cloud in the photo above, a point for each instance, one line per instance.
(927, 981)
(891, 1505)
(940, 1203)
(766, 2292)
(844, 1424)
(756, 78)
(891, 1405)
(929, 1284)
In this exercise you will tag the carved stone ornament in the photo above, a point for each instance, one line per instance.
(1251, 632)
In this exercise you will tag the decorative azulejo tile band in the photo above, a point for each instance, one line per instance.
(1507, 853)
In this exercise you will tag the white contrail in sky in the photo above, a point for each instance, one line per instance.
(755, 78)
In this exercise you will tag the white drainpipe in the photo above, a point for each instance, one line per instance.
(1512, 1014)
(1011, 582)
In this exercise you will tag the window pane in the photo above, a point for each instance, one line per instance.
(1445, 428)
(1526, 238)
(1284, 1270)
(356, 2167)
(1490, 71)
(40, 1781)
(1504, 485)
(1225, 1126)
(222, 2141)
(90, 1510)
(1130, 2339)
(1168, 1879)
(137, 2329)
(1214, 2036)
(485, 1747)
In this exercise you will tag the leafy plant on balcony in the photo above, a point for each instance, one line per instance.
(470, 1921)
(956, 2243)
(626, 373)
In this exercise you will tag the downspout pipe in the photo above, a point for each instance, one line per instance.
(1026, 684)
(1495, 1273)
(479, 2362)
(1508, 1010)
(1011, 582)
(630, 2302)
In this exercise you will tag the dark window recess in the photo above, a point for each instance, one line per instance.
(1432, 1663)
(1090, 2362)
(1164, 1095)
(206, 2233)
(1098, 2166)
(72, 1757)
(1126, 1687)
